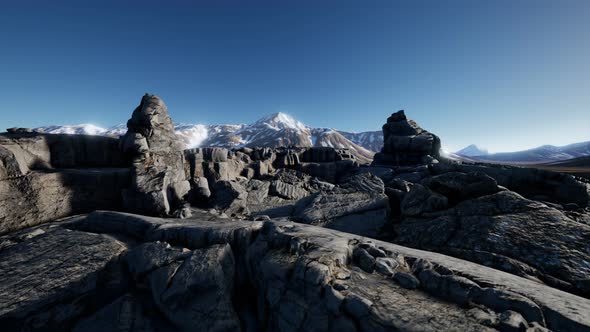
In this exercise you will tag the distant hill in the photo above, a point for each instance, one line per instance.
(472, 151)
(575, 162)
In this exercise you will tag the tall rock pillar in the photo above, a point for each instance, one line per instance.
(159, 184)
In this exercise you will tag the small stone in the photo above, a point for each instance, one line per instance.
(406, 280)
(386, 266)
(364, 260)
(376, 252)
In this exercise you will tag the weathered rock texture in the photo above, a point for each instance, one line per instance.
(217, 275)
(158, 183)
(311, 185)
(532, 183)
(45, 177)
(406, 143)
(468, 215)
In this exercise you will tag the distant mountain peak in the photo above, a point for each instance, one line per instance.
(472, 151)
(280, 120)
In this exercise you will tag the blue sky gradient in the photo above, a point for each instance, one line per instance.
(506, 75)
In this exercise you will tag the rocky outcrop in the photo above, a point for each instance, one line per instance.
(406, 143)
(45, 177)
(469, 216)
(193, 289)
(158, 185)
(249, 181)
(217, 164)
(358, 206)
(227, 275)
(541, 185)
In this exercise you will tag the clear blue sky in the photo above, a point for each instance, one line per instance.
(506, 75)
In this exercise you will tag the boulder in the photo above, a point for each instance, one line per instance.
(458, 186)
(422, 200)
(358, 206)
(231, 197)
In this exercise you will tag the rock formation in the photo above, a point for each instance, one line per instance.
(158, 183)
(406, 143)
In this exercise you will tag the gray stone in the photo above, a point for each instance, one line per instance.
(148, 257)
(421, 200)
(51, 280)
(287, 190)
(364, 260)
(405, 143)
(511, 321)
(357, 306)
(386, 266)
(406, 280)
(159, 183)
(196, 294)
(289, 266)
(460, 186)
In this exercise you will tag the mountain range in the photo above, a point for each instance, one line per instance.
(275, 130)
(539, 155)
(281, 129)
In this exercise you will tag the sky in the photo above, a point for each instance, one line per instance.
(506, 75)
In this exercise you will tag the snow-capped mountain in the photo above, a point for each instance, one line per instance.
(542, 154)
(370, 140)
(81, 129)
(275, 130)
(192, 134)
(472, 151)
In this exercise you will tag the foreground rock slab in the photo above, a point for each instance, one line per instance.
(278, 276)
(50, 276)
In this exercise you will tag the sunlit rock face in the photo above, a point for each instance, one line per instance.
(158, 182)
(45, 177)
(406, 143)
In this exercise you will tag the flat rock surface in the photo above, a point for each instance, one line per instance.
(49, 275)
